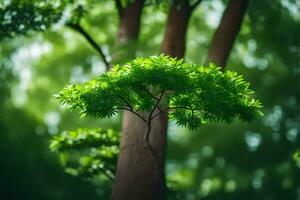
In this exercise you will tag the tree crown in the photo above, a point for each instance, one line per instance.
(192, 94)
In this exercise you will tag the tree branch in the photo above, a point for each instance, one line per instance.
(193, 6)
(147, 133)
(78, 28)
(147, 91)
(109, 175)
(154, 116)
(156, 105)
(124, 100)
(133, 112)
(119, 7)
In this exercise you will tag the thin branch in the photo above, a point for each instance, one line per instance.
(124, 100)
(109, 175)
(156, 105)
(154, 116)
(147, 136)
(77, 27)
(133, 112)
(161, 91)
(130, 107)
(148, 131)
(158, 113)
(150, 148)
(137, 114)
(119, 7)
(147, 91)
(193, 6)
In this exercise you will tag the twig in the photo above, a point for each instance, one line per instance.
(153, 96)
(133, 112)
(192, 7)
(109, 175)
(77, 27)
(147, 133)
(125, 101)
(147, 138)
(119, 7)
(154, 116)
(158, 113)
(157, 103)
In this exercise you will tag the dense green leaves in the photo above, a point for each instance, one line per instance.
(191, 94)
(83, 139)
(19, 17)
(268, 63)
(87, 152)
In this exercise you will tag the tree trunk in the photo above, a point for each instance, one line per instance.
(222, 43)
(130, 17)
(128, 31)
(175, 34)
(226, 33)
(137, 176)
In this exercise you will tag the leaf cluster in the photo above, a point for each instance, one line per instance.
(192, 94)
(87, 152)
(160, 2)
(19, 17)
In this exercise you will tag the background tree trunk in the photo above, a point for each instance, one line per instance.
(137, 177)
(222, 43)
(175, 34)
(226, 33)
(128, 31)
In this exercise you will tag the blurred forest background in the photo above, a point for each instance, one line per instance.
(215, 162)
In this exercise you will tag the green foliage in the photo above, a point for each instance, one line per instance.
(19, 17)
(273, 73)
(296, 155)
(192, 94)
(167, 2)
(88, 153)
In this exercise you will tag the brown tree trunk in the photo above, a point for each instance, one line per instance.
(226, 33)
(129, 21)
(175, 34)
(128, 31)
(137, 177)
(222, 43)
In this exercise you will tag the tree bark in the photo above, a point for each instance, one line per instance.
(175, 34)
(222, 43)
(226, 33)
(129, 20)
(137, 176)
(128, 31)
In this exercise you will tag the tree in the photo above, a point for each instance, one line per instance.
(173, 44)
(149, 87)
(203, 163)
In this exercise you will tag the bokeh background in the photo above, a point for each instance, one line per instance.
(216, 162)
